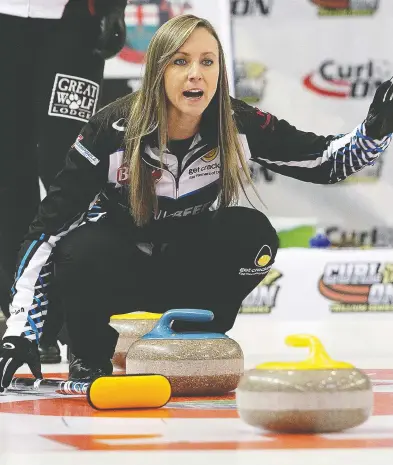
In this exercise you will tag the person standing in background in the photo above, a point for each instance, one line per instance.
(53, 55)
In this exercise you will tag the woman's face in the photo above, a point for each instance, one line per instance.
(191, 77)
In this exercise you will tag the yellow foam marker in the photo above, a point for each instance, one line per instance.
(318, 358)
(137, 316)
(129, 392)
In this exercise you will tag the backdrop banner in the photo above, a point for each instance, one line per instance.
(317, 64)
(326, 285)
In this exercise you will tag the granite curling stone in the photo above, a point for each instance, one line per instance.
(131, 327)
(196, 363)
(317, 395)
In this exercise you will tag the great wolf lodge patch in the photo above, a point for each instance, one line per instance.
(73, 97)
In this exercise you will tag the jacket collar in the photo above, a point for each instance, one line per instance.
(208, 130)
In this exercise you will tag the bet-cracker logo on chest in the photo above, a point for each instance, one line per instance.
(73, 97)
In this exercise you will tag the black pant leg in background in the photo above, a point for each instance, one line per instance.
(67, 83)
(100, 272)
(19, 189)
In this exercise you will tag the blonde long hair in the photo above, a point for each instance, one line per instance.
(148, 113)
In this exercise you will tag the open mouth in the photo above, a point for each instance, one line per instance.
(193, 94)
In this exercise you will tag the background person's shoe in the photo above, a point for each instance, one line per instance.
(49, 353)
(80, 370)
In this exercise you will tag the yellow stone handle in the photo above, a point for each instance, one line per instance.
(318, 358)
(137, 316)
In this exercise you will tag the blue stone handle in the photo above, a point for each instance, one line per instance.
(162, 330)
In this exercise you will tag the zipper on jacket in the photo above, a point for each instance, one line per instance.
(177, 179)
(177, 188)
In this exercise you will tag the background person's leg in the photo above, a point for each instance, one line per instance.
(67, 83)
(19, 189)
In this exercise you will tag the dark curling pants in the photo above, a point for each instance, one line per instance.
(49, 88)
(213, 265)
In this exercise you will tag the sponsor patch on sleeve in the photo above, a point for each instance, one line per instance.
(86, 153)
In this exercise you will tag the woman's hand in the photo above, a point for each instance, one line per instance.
(379, 121)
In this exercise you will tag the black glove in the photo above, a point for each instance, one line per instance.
(113, 28)
(14, 352)
(379, 121)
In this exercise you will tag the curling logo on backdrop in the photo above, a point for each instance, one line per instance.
(73, 97)
(143, 18)
(346, 7)
(251, 7)
(250, 81)
(261, 261)
(358, 286)
(381, 236)
(348, 80)
(263, 298)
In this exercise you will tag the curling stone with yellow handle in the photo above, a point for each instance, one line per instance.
(317, 395)
(131, 327)
(196, 363)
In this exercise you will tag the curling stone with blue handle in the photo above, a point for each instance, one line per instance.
(131, 327)
(196, 363)
(317, 395)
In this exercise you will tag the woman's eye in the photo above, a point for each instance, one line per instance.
(182, 62)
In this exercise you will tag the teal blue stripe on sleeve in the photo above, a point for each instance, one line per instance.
(22, 264)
